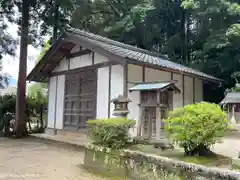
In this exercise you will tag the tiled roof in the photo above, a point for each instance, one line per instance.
(137, 54)
(154, 85)
(232, 97)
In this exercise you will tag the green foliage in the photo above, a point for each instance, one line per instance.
(197, 125)
(111, 133)
(38, 91)
(44, 50)
(7, 110)
(203, 34)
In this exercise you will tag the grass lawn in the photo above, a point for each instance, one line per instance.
(178, 154)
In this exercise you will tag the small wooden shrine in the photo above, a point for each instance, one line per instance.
(156, 99)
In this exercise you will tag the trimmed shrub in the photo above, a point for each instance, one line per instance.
(196, 127)
(110, 133)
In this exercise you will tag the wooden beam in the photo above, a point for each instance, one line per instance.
(125, 80)
(48, 103)
(158, 67)
(95, 66)
(171, 76)
(109, 90)
(93, 58)
(55, 107)
(143, 74)
(194, 88)
(82, 41)
(68, 63)
(79, 53)
(158, 117)
(140, 122)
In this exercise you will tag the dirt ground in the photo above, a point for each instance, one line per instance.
(31, 159)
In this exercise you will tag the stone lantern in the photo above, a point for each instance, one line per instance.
(120, 106)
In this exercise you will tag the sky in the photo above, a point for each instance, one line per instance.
(10, 64)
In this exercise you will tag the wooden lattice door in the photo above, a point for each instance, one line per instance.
(80, 99)
(149, 122)
(149, 103)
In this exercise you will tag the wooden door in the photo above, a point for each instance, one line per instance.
(80, 99)
(149, 104)
(149, 122)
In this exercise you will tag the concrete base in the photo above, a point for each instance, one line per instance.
(49, 131)
(81, 141)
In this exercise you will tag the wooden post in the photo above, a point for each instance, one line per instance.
(158, 117)
(139, 125)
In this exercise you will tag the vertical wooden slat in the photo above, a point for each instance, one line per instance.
(48, 101)
(125, 80)
(64, 98)
(158, 117)
(143, 74)
(69, 63)
(194, 95)
(171, 76)
(183, 89)
(93, 56)
(139, 125)
(55, 109)
(109, 90)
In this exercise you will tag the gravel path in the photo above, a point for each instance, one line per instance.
(228, 147)
(30, 159)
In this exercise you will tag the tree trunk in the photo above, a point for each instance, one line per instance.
(56, 23)
(20, 126)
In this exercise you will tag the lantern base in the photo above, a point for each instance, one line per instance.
(120, 113)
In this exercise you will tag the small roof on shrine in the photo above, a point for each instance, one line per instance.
(169, 85)
(231, 97)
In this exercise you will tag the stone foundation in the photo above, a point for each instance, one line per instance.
(142, 166)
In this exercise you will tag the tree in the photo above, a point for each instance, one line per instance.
(20, 126)
(36, 12)
(197, 127)
(203, 34)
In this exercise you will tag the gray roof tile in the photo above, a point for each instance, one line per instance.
(231, 97)
(137, 54)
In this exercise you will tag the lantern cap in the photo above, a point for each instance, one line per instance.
(121, 99)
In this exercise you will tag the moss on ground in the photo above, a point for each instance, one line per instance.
(178, 154)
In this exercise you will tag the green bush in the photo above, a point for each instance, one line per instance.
(110, 133)
(196, 127)
(8, 107)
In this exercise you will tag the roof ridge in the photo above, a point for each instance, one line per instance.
(114, 42)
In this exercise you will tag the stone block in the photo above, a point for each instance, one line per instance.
(236, 163)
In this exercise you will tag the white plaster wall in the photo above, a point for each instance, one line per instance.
(156, 75)
(198, 90)
(62, 66)
(188, 90)
(102, 92)
(51, 101)
(116, 83)
(98, 58)
(134, 76)
(60, 101)
(81, 61)
(178, 97)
